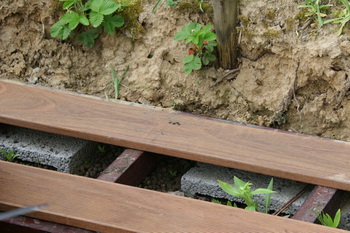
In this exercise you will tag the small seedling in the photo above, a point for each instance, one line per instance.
(173, 173)
(116, 81)
(101, 148)
(228, 203)
(242, 189)
(326, 219)
(203, 41)
(99, 14)
(10, 155)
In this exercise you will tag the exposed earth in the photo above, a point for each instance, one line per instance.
(293, 77)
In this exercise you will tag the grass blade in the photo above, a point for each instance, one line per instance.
(268, 196)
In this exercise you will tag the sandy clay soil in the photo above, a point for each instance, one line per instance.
(292, 76)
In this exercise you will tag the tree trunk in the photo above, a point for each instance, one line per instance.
(225, 20)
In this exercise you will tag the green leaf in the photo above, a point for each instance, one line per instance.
(325, 219)
(72, 18)
(86, 6)
(156, 5)
(96, 18)
(252, 208)
(111, 22)
(194, 64)
(84, 20)
(207, 58)
(216, 201)
(186, 31)
(210, 46)
(195, 40)
(210, 36)
(228, 188)
(262, 191)
(268, 196)
(68, 3)
(104, 7)
(60, 30)
(88, 38)
(240, 184)
(188, 59)
(171, 3)
(337, 219)
(207, 28)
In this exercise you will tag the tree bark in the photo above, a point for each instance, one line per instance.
(225, 20)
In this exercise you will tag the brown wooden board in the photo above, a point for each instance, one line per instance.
(267, 151)
(108, 207)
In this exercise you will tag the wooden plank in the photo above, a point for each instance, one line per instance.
(108, 207)
(267, 151)
(31, 225)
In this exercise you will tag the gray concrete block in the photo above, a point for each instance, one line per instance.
(61, 152)
(202, 180)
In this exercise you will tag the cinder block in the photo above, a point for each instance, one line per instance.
(61, 152)
(202, 180)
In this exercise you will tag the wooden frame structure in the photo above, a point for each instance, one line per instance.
(109, 207)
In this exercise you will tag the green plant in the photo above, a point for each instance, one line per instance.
(344, 16)
(116, 81)
(101, 149)
(9, 155)
(326, 219)
(173, 173)
(168, 3)
(228, 203)
(243, 189)
(100, 14)
(315, 9)
(203, 42)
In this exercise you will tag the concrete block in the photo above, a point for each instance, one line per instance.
(202, 180)
(61, 152)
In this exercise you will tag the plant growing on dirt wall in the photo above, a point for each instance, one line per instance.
(95, 15)
(202, 42)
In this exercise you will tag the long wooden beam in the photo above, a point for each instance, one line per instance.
(267, 151)
(107, 207)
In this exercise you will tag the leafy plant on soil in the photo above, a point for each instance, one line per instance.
(9, 155)
(100, 14)
(243, 189)
(203, 42)
(326, 219)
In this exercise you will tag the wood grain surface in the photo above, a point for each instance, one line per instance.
(267, 151)
(107, 207)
